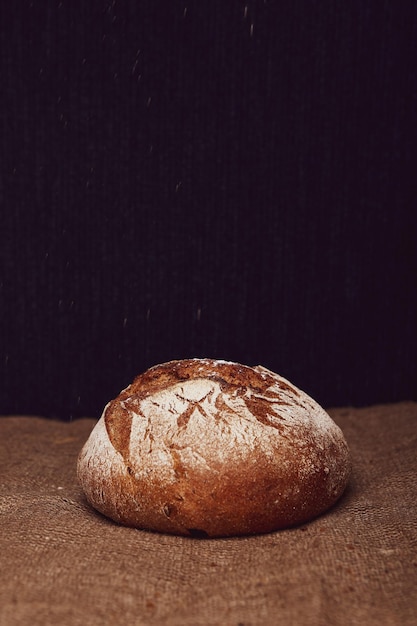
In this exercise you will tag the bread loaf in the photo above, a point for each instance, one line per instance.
(210, 448)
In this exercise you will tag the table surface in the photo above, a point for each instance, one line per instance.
(63, 563)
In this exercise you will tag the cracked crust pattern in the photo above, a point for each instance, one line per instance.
(212, 448)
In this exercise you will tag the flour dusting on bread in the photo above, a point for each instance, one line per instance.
(192, 432)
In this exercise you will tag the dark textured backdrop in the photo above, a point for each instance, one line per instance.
(226, 179)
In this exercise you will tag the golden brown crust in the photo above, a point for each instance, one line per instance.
(211, 448)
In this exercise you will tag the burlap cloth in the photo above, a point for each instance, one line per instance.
(62, 563)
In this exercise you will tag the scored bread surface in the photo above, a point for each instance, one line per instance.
(212, 448)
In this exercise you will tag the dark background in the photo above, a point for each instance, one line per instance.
(223, 179)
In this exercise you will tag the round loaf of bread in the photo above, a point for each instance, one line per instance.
(210, 448)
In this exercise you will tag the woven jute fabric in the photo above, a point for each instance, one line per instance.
(63, 563)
